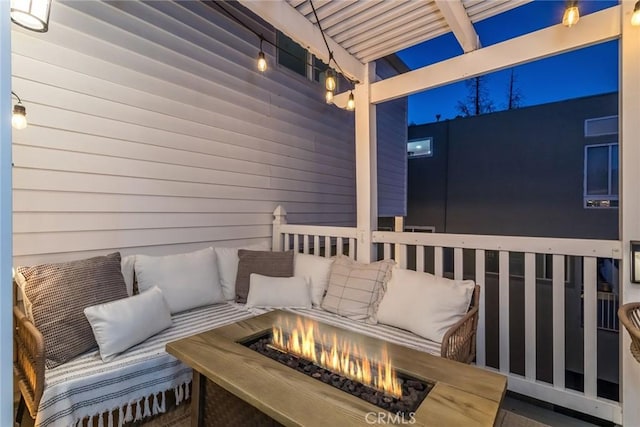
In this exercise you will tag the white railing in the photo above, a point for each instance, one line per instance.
(397, 245)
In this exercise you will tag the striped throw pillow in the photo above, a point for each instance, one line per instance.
(355, 289)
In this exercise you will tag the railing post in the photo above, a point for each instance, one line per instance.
(401, 250)
(279, 219)
(629, 210)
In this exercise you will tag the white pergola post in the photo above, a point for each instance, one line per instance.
(366, 166)
(6, 212)
(629, 199)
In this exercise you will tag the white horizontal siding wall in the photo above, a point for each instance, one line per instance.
(151, 131)
(392, 151)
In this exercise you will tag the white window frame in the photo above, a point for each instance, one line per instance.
(599, 197)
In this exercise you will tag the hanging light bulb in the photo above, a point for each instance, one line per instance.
(635, 18)
(31, 14)
(330, 80)
(19, 117)
(262, 61)
(328, 96)
(351, 102)
(571, 14)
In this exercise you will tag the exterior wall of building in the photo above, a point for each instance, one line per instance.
(152, 131)
(517, 172)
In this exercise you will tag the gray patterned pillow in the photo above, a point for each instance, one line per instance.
(267, 263)
(59, 293)
(356, 289)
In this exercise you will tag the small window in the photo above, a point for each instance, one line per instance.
(422, 147)
(601, 176)
(291, 55)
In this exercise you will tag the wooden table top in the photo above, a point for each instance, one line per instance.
(463, 395)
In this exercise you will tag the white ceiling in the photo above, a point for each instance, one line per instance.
(372, 29)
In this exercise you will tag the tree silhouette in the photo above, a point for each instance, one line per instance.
(514, 93)
(477, 101)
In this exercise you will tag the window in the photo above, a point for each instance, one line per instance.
(299, 60)
(601, 176)
(422, 147)
(291, 55)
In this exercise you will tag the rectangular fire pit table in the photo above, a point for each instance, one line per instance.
(234, 385)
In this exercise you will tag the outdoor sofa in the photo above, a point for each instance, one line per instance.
(105, 386)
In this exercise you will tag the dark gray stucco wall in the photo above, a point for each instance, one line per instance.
(517, 172)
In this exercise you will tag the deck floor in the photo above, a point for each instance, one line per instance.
(519, 413)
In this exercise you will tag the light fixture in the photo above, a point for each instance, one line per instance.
(635, 261)
(351, 102)
(571, 14)
(262, 61)
(19, 117)
(635, 18)
(31, 14)
(330, 79)
(328, 96)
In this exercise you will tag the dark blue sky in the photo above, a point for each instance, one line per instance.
(584, 72)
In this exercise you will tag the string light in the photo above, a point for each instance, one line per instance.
(351, 103)
(262, 61)
(328, 96)
(635, 18)
(571, 14)
(330, 80)
(19, 117)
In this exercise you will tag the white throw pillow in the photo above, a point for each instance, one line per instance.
(278, 292)
(227, 259)
(423, 303)
(127, 265)
(187, 280)
(318, 270)
(121, 324)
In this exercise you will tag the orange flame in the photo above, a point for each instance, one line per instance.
(338, 355)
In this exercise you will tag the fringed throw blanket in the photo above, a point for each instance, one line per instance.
(89, 387)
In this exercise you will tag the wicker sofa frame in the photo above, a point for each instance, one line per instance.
(629, 315)
(459, 344)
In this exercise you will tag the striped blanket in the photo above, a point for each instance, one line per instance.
(87, 387)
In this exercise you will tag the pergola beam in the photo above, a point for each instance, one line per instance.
(595, 28)
(456, 16)
(288, 20)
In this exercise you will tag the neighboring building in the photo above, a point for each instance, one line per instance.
(549, 171)
(518, 172)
